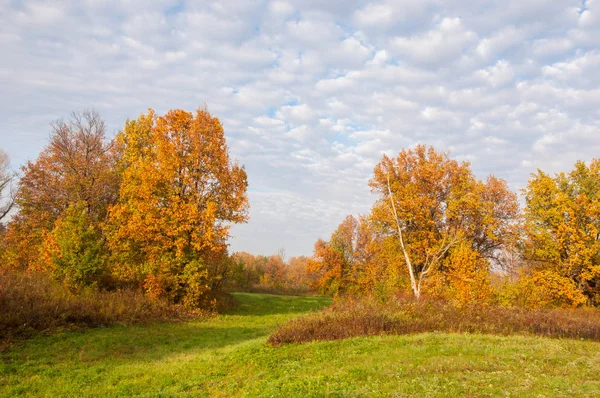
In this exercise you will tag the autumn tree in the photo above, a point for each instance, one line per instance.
(77, 166)
(180, 191)
(247, 270)
(297, 278)
(335, 262)
(563, 227)
(376, 270)
(432, 203)
(274, 275)
(359, 258)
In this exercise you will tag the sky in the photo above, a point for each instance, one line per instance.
(312, 93)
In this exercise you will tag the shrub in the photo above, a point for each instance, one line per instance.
(541, 289)
(33, 302)
(366, 317)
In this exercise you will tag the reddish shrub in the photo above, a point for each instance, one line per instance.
(366, 317)
(33, 302)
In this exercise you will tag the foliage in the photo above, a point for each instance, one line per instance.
(178, 194)
(563, 226)
(74, 251)
(354, 260)
(463, 278)
(271, 274)
(246, 270)
(540, 289)
(333, 260)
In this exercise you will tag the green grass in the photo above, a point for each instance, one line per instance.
(227, 356)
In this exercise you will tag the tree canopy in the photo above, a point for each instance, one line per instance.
(179, 192)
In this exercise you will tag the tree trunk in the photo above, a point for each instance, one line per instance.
(416, 287)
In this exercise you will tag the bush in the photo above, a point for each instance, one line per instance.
(74, 251)
(541, 289)
(33, 302)
(366, 317)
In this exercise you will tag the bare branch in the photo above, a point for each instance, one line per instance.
(7, 193)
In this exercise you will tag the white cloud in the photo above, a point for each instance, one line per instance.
(385, 15)
(297, 114)
(501, 41)
(281, 9)
(497, 75)
(445, 43)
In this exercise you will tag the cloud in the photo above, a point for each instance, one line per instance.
(445, 43)
(312, 93)
(497, 75)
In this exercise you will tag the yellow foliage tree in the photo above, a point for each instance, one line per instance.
(563, 226)
(540, 289)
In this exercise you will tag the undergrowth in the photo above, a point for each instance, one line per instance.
(367, 317)
(33, 303)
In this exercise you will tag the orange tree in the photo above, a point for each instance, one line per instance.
(179, 192)
(433, 204)
(563, 227)
(334, 260)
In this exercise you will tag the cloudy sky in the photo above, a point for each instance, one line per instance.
(311, 93)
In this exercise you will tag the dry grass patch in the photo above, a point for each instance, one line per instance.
(366, 317)
(35, 303)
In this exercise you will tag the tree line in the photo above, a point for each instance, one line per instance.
(151, 209)
(436, 229)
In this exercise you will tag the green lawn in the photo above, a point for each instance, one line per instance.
(227, 356)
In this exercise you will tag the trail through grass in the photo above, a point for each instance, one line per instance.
(227, 356)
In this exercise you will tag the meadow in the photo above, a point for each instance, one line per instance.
(228, 355)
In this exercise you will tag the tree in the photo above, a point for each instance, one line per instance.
(492, 220)
(338, 264)
(563, 226)
(432, 203)
(331, 261)
(6, 193)
(73, 251)
(297, 279)
(179, 193)
(247, 270)
(77, 166)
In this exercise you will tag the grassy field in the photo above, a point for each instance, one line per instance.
(227, 356)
